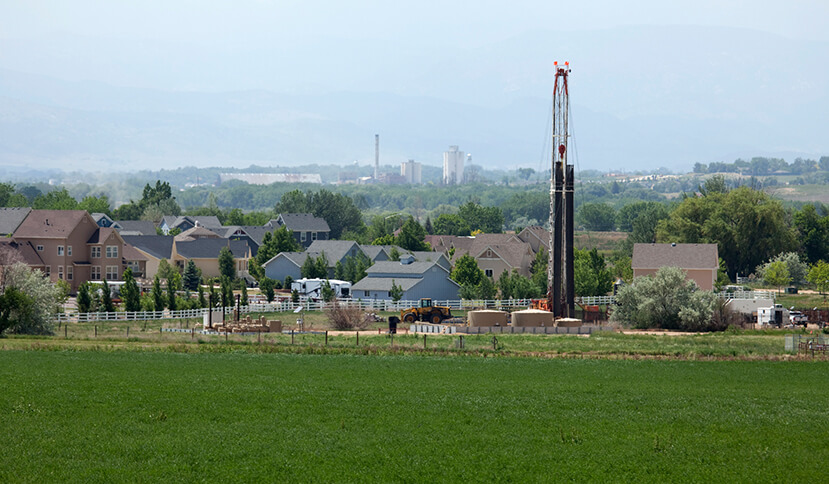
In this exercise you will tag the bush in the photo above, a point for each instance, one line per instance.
(344, 318)
(666, 300)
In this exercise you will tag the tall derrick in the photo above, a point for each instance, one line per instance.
(560, 283)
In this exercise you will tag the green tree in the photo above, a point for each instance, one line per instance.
(412, 236)
(256, 271)
(130, 292)
(55, 200)
(202, 301)
(327, 293)
(428, 226)
(106, 298)
(158, 295)
(813, 232)
(597, 216)
(819, 276)
(538, 270)
(665, 300)
(294, 296)
(396, 292)
(190, 280)
(266, 285)
(591, 274)
(244, 295)
(9, 197)
(84, 300)
(15, 306)
(321, 267)
(394, 254)
(227, 266)
(485, 219)
(173, 285)
(165, 270)
(777, 274)
(451, 224)
(93, 204)
(466, 271)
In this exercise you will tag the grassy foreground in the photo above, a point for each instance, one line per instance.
(241, 416)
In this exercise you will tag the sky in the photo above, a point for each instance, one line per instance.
(751, 87)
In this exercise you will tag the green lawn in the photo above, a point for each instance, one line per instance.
(245, 416)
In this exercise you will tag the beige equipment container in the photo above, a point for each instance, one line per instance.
(487, 317)
(568, 323)
(532, 317)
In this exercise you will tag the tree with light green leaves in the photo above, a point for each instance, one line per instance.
(327, 292)
(227, 266)
(819, 276)
(466, 271)
(396, 292)
(29, 300)
(777, 274)
(84, 299)
(158, 295)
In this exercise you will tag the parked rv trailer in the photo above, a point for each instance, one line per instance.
(313, 287)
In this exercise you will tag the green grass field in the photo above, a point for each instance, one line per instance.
(244, 416)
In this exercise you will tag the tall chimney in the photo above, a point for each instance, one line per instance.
(376, 156)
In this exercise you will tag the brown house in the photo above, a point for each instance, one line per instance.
(699, 261)
(72, 246)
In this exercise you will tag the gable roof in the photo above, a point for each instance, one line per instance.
(24, 251)
(197, 232)
(384, 283)
(297, 258)
(130, 253)
(52, 224)
(335, 250)
(158, 246)
(515, 254)
(210, 248)
(11, 218)
(208, 221)
(536, 236)
(372, 251)
(255, 232)
(685, 256)
(135, 227)
(102, 234)
(393, 267)
(299, 222)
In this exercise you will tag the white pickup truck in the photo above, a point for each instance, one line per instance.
(796, 318)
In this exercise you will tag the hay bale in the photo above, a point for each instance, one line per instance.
(275, 326)
(568, 323)
(532, 317)
(487, 318)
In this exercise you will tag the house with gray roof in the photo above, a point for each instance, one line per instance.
(154, 248)
(252, 234)
(135, 227)
(205, 254)
(290, 263)
(306, 227)
(186, 222)
(11, 218)
(699, 261)
(417, 279)
(285, 264)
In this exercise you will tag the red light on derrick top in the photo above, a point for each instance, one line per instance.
(561, 150)
(555, 63)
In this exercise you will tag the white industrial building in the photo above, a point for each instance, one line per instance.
(411, 171)
(453, 166)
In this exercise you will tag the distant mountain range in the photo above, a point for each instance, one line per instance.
(642, 98)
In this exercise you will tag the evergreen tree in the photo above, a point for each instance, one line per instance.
(308, 269)
(412, 236)
(396, 292)
(84, 300)
(294, 296)
(428, 226)
(321, 267)
(394, 254)
(288, 281)
(130, 292)
(244, 295)
(106, 298)
(172, 287)
(190, 280)
(266, 285)
(202, 302)
(158, 295)
(227, 266)
(327, 292)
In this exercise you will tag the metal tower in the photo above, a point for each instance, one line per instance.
(560, 283)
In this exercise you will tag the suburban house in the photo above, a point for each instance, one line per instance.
(306, 227)
(11, 252)
(699, 261)
(11, 218)
(104, 220)
(252, 234)
(153, 248)
(416, 279)
(185, 222)
(135, 227)
(72, 246)
(290, 263)
(205, 254)
(538, 237)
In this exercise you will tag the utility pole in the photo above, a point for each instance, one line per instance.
(560, 283)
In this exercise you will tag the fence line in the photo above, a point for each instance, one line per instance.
(282, 306)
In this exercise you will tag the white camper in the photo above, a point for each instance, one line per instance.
(312, 288)
(775, 316)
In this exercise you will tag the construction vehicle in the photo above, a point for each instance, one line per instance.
(425, 311)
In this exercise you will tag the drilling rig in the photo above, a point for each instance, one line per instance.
(560, 283)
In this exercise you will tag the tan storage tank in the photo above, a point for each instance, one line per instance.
(532, 317)
(487, 317)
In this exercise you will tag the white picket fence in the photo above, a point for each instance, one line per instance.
(367, 305)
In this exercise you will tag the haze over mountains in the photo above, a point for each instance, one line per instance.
(642, 98)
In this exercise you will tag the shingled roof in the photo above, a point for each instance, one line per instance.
(685, 256)
(210, 248)
(301, 222)
(135, 227)
(51, 224)
(11, 218)
(158, 246)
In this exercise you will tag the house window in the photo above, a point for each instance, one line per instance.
(95, 273)
(40, 248)
(96, 252)
(368, 294)
(60, 272)
(488, 272)
(60, 250)
(112, 273)
(112, 251)
(68, 250)
(70, 273)
(48, 271)
(313, 236)
(488, 254)
(302, 237)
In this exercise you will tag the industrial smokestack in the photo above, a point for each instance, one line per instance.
(376, 156)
